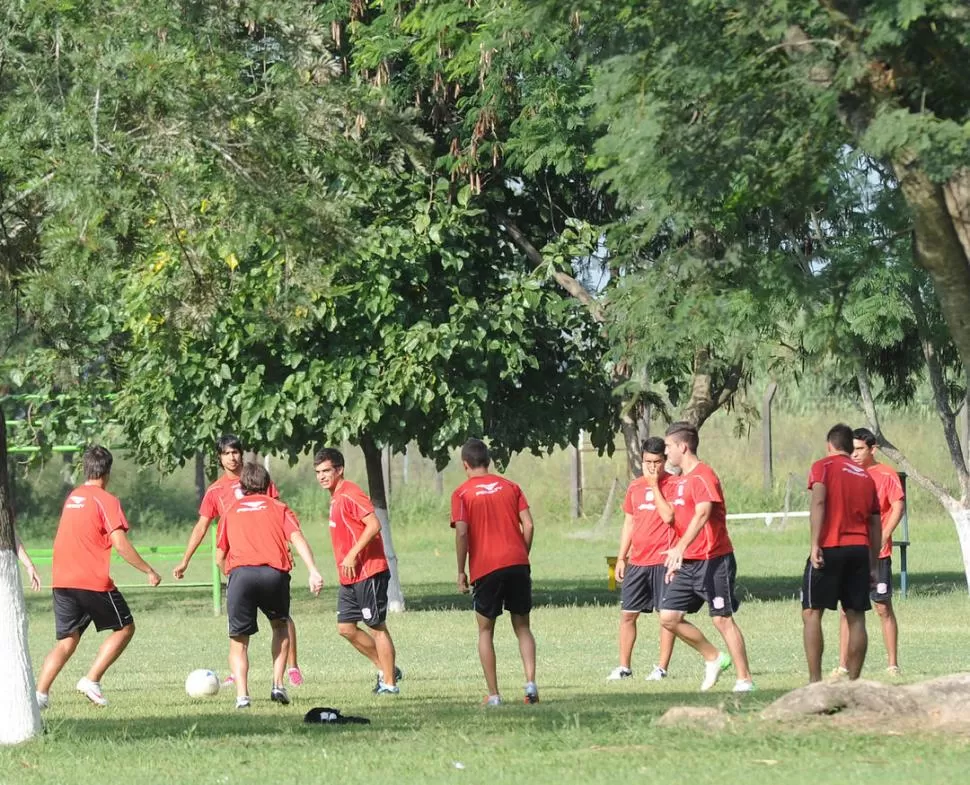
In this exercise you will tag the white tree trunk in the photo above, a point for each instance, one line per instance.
(961, 519)
(395, 595)
(19, 716)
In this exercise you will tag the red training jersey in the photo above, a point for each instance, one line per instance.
(255, 532)
(82, 546)
(349, 505)
(700, 485)
(224, 492)
(850, 499)
(889, 490)
(490, 505)
(652, 537)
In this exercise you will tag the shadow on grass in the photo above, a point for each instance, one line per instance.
(404, 716)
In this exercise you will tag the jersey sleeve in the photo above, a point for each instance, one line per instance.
(628, 507)
(291, 523)
(457, 509)
(360, 504)
(706, 488)
(209, 507)
(894, 488)
(816, 474)
(112, 516)
(272, 491)
(523, 503)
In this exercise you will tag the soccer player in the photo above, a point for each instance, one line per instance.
(218, 496)
(892, 503)
(646, 537)
(701, 566)
(493, 533)
(845, 544)
(358, 549)
(92, 522)
(253, 540)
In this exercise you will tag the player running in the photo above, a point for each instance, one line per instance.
(218, 496)
(892, 503)
(845, 544)
(92, 522)
(646, 537)
(701, 566)
(493, 533)
(358, 548)
(252, 543)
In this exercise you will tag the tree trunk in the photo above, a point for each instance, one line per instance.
(19, 715)
(375, 487)
(938, 247)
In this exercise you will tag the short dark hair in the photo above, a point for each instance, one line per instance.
(254, 478)
(840, 437)
(335, 457)
(685, 433)
(228, 441)
(474, 452)
(654, 446)
(97, 462)
(865, 435)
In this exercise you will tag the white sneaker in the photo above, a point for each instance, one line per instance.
(243, 702)
(619, 672)
(743, 685)
(43, 700)
(92, 691)
(657, 674)
(713, 670)
(492, 700)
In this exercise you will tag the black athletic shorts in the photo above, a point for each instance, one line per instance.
(703, 580)
(256, 588)
(364, 601)
(843, 578)
(883, 590)
(75, 609)
(642, 588)
(509, 588)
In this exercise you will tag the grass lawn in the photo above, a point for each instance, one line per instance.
(584, 730)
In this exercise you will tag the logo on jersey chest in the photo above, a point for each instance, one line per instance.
(251, 507)
(487, 489)
(648, 501)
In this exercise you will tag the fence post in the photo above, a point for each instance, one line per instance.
(766, 456)
(576, 478)
(386, 470)
(904, 523)
(216, 577)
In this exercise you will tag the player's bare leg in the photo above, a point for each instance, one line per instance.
(734, 640)
(239, 662)
(675, 622)
(813, 641)
(291, 661)
(858, 642)
(360, 640)
(486, 651)
(110, 650)
(55, 660)
(843, 642)
(386, 654)
(527, 645)
(667, 639)
(628, 637)
(890, 630)
(280, 650)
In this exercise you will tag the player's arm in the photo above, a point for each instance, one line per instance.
(664, 508)
(372, 527)
(892, 520)
(195, 540)
(875, 540)
(28, 564)
(461, 553)
(127, 552)
(675, 556)
(303, 549)
(528, 528)
(816, 517)
(626, 540)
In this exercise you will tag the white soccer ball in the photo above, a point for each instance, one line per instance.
(201, 683)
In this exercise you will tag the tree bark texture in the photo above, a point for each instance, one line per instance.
(19, 716)
(375, 487)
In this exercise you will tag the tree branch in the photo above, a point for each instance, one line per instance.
(566, 281)
(869, 407)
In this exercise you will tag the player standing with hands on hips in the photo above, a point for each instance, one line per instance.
(493, 534)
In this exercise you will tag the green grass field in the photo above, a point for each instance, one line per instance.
(585, 730)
